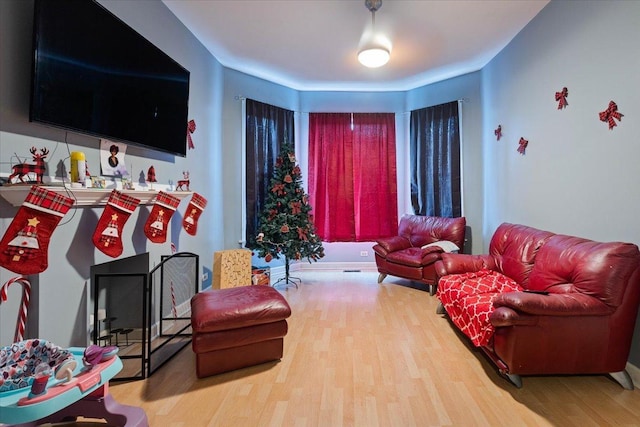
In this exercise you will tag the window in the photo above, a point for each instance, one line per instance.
(352, 176)
(434, 158)
(267, 127)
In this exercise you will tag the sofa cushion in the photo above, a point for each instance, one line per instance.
(415, 257)
(567, 264)
(421, 230)
(515, 247)
(224, 309)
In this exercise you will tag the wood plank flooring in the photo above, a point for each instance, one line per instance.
(363, 354)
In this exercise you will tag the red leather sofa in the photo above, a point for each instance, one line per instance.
(404, 256)
(582, 319)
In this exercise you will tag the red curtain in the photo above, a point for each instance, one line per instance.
(352, 176)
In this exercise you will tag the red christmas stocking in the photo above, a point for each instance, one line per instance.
(156, 226)
(108, 234)
(194, 210)
(23, 249)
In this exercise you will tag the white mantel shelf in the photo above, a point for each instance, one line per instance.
(84, 197)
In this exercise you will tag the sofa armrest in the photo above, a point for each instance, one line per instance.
(431, 254)
(463, 263)
(506, 316)
(569, 304)
(393, 244)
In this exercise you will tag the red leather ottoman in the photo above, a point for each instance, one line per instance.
(237, 327)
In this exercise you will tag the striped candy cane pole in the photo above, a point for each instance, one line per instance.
(173, 303)
(24, 306)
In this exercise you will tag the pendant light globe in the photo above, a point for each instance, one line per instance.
(374, 56)
(375, 52)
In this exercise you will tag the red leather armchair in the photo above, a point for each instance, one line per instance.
(581, 321)
(404, 256)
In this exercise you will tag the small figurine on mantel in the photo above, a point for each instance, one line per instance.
(184, 182)
(151, 176)
(39, 168)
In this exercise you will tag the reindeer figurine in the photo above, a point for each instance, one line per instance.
(183, 182)
(22, 169)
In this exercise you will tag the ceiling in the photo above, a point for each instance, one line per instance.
(313, 44)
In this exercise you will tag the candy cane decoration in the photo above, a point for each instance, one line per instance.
(173, 302)
(24, 306)
(191, 128)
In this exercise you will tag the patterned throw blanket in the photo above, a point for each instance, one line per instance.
(468, 299)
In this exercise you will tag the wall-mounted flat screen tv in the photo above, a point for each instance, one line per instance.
(94, 74)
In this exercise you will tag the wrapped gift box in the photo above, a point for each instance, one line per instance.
(231, 268)
(260, 276)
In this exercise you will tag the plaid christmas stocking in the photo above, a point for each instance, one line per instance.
(194, 210)
(108, 234)
(23, 249)
(163, 208)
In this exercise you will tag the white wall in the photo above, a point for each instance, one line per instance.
(577, 177)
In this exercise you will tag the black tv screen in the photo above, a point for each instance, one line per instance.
(94, 74)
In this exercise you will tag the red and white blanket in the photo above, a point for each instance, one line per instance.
(468, 299)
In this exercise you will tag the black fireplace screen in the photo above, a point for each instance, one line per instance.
(146, 314)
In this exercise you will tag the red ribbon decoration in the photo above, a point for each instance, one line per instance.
(498, 132)
(191, 128)
(561, 97)
(610, 114)
(522, 145)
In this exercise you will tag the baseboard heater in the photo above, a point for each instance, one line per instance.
(351, 271)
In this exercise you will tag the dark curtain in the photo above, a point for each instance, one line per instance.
(267, 128)
(435, 161)
(352, 176)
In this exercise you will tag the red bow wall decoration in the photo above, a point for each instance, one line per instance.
(561, 97)
(610, 114)
(191, 128)
(522, 145)
(498, 132)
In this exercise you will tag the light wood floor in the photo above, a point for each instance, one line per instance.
(362, 354)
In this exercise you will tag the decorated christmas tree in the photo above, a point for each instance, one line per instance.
(285, 225)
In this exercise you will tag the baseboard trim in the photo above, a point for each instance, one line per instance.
(278, 272)
(336, 266)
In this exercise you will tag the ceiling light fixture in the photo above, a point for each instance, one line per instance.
(375, 53)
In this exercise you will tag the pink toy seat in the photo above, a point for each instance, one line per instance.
(18, 362)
